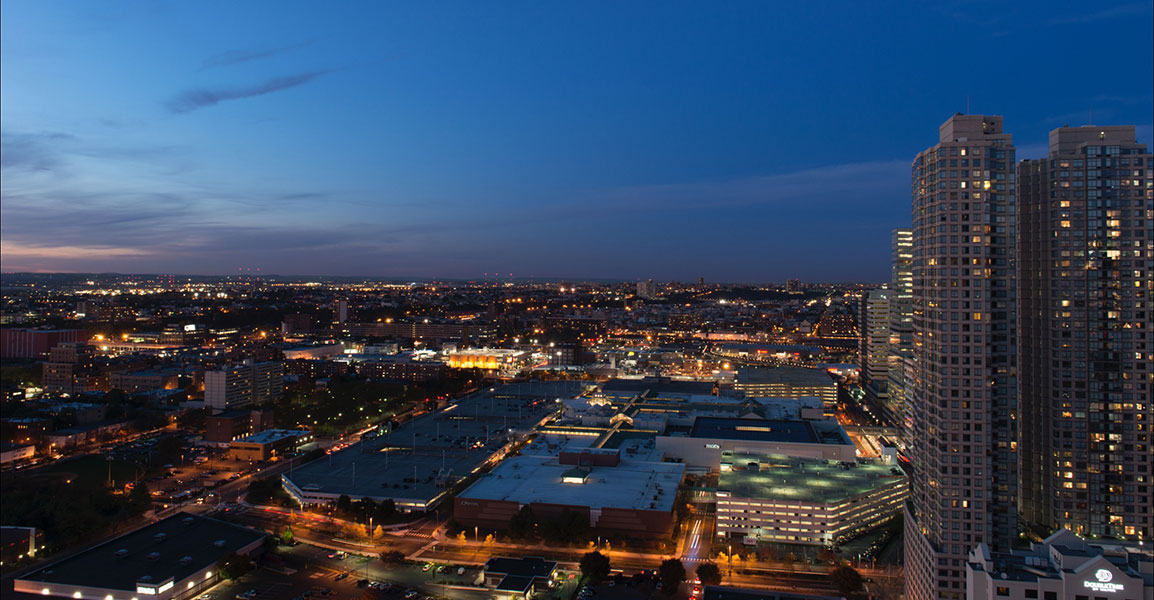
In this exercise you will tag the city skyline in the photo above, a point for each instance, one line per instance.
(553, 144)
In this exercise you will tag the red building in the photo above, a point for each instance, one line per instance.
(34, 343)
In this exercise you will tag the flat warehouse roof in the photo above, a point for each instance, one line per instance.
(406, 463)
(788, 375)
(120, 563)
(641, 485)
(762, 430)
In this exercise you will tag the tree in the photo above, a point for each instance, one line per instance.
(232, 566)
(286, 536)
(461, 537)
(671, 573)
(846, 579)
(344, 504)
(385, 510)
(366, 508)
(393, 557)
(139, 499)
(595, 566)
(523, 524)
(709, 573)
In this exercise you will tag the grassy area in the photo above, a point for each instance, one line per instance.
(94, 470)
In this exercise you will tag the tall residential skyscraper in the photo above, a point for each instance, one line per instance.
(873, 342)
(901, 345)
(1086, 344)
(964, 395)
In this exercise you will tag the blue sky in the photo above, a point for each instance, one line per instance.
(734, 141)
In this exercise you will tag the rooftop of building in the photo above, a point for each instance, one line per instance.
(527, 566)
(776, 477)
(784, 375)
(656, 386)
(1075, 556)
(406, 463)
(632, 484)
(270, 436)
(770, 430)
(175, 547)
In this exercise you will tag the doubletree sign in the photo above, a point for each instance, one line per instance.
(1101, 582)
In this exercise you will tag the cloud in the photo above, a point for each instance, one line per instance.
(195, 99)
(1123, 10)
(32, 151)
(235, 57)
(810, 189)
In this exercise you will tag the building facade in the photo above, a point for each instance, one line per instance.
(873, 342)
(244, 384)
(1086, 341)
(1062, 567)
(964, 396)
(901, 344)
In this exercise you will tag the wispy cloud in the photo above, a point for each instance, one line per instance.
(810, 188)
(31, 151)
(1114, 12)
(236, 57)
(198, 98)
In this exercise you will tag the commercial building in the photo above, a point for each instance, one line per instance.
(874, 342)
(85, 434)
(901, 345)
(964, 396)
(432, 332)
(1063, 567)
(172, 559)
(787, 382)
(34, 343)
(232, 425)
(400, 368)
(788, 500)
(139, 381)
(619, 496)
(1086, 336)
(268, 444)
(69, 368)
(10, 453)
(245, 384)
(710, 437)
(313, 352)
(518, 578)
(417, 463)
(498, 360)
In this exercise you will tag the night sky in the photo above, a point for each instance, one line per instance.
(741, 142)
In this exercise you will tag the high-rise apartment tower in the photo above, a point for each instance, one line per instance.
(964, 394)
(901, 344)
(1086, 341)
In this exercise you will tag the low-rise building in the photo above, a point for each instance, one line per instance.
(620, 496)
(518, 578)
(138, 381)
(10, 453)
(711, 436)
(232, 425)
(804, 501)
(172, 559)
(268, 444)
(1061, 567)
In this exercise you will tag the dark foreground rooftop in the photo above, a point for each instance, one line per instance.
(176, 547)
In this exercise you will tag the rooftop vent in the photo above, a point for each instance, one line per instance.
(187, 520)
(121, 553)
(153, 556)
(218, 543)
(160, 537)
(184, 560)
